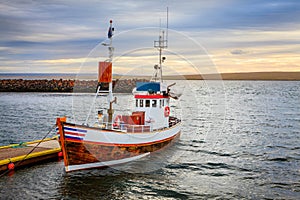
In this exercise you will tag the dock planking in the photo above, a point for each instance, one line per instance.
(29, 153)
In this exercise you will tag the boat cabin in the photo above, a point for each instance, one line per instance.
(153, 100)
(151, 110)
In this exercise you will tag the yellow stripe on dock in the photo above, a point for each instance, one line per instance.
(31, 155)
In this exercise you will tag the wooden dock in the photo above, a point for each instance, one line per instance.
(19, 155)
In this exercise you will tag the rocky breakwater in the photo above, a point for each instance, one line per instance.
(20, 85)
(60, 85)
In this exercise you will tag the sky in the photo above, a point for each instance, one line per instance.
(216, 36)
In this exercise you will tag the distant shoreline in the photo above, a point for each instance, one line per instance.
(262, 76)
(282, 76)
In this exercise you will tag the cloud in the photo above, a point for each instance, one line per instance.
(63, 30)
(238, 52)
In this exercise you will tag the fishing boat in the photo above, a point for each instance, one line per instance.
(116, 139)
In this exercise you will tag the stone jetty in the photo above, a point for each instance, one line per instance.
(60, 85)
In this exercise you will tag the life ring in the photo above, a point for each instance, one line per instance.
(167, 111)
(117, 121)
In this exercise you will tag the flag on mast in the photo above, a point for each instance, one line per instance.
(110, 30)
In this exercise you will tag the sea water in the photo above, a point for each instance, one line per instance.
(239, 139)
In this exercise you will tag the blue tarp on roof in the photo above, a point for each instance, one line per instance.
(147, 86)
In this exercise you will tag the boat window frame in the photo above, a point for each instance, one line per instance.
(148, 103)
(141, 103)
(137, 103)
(154, 103)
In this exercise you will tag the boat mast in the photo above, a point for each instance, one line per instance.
(110, 99)
(110, 55)
(110, 110)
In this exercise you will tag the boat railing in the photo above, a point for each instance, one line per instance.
(137, 128)
(133, 128)
(130, 128)
(103, 125)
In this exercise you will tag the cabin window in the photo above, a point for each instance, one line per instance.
(141, 103)
(163, 102)
(154, 103)
(147, 103)
(136, 103)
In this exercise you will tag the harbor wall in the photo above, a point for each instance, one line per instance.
(60, 85)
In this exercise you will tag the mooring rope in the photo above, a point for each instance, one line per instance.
(5, 172)
(92, 106)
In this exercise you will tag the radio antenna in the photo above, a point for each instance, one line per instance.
(160, 44)
(167, 25)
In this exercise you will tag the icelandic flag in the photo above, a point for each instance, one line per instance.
(109, 35)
